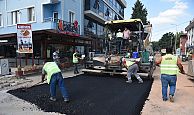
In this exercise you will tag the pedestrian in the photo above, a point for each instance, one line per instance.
(56, 56)
(54, 77)
(132, 68)
(76, 61)
(119, 40)
(126, 36)
(169, 65)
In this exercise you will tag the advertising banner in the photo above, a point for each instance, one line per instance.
(24, 38)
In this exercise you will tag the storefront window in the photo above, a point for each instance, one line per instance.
(94, 28)
(113, 13)
(116, 17)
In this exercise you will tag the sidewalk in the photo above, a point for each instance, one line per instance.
(8, 82)
(184, 101)
(10, 104)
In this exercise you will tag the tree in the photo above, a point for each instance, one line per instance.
(139, 12)
(178, 38)
(167, 40)
(155, 46)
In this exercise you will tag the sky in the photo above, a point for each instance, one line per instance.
(165, 15)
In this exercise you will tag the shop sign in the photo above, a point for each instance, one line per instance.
(68, 28)
(24, 38)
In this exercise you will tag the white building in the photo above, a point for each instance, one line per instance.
(190, 33)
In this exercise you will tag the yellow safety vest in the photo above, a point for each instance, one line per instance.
(129, 63)
(75, 59)
(169, 65)
(50, 68)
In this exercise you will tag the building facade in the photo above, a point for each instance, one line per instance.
(96, 12)
(183, 45)
(190, 38)
(190, 33)
(56, 24)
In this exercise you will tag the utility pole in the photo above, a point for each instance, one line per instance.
(175, 37)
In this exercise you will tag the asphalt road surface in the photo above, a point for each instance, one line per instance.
(91, 95)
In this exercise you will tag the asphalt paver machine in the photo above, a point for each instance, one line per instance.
(117, 49)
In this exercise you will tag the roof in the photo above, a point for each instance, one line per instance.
(131, 24)
(191, 25)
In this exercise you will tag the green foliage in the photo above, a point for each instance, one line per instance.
(155, 46)
(167, 39)
(139, 12)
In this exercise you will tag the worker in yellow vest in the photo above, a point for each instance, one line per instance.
(169, 68)
(76, 61)
(132, 68)
(54, 77)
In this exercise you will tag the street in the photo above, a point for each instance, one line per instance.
(184, 94)
(99, 94)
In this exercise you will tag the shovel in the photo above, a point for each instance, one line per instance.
(24, 89)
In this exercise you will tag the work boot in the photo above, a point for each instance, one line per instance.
(171, 98)
(140, 81)
(66, 100)
(52, 99)
(129, 81)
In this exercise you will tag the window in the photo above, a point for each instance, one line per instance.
(55, 16)
(90, 24)
(96, 4)
(71, 17)
(101, 9)
(31, 14)
(1, 20)
(15, 17)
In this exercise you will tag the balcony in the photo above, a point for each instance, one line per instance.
(48, 24)
(64, 27)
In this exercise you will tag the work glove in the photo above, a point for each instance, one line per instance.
(42, 80)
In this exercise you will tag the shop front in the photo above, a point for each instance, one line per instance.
(44, 44)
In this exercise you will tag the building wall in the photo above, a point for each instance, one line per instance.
(190, 35)
(75, 6)
(183, 40)
(43, 13)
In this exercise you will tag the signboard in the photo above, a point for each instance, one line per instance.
(4, 66)
(24, 38)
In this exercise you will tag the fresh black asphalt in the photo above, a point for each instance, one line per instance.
(91, 95)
